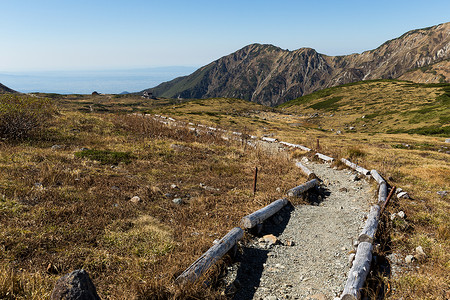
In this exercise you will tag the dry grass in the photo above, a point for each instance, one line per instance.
(81, 215)
(60, 212)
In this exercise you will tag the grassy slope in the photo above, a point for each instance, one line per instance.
(40, 225)
(378, 106)
(62, 209)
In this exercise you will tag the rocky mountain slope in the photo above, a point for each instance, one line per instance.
(270, 75)
(4, 89)
(435, 73)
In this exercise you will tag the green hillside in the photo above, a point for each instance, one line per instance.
(389, 106)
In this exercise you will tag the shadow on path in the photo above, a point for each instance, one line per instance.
(252, 258)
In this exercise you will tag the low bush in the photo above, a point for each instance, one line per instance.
(105, 156)
(23, 116)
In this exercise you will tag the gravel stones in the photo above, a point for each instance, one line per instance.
(315, 264)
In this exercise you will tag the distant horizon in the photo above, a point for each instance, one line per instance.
(114, 81)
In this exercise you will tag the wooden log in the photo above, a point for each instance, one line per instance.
(263, 214)
(201, 265)
(382, 192)
(305, 170)
(377, 176)
(370, 228)
(302, 188)
(355, 167)
(324, 157)
(358, 273)
(296, 146)
(268, 139)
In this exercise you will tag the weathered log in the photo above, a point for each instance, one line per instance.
(324, 157)
(358, 273)
(355, 167)
(302, 188)
(304, 168)
(296, 146)
(263, 214)
(377, 176)
(268, 139)
(210, 257)
(370, 228)
(382, 192)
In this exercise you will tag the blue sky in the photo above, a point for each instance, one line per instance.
(98, 34)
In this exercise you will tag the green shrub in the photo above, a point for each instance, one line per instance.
(105, 156)
(22, 116)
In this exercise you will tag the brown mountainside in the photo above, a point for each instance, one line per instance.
(270, 75)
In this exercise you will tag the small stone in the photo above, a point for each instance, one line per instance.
(278, 189)
(442, 193)
(403, 195)
(135, 199)
(343, 190)
(401, 214)
(56, 147)
(305, 159)
(398, 190)
(392, 216)
(168, 195)
(289, 243)
(351, 257)
(409, 259)
(39, 185)
(84, 149)
(76, 285)
(178, 201)
(270, 239)
(174, 186)
(420, 254)
(338, 132)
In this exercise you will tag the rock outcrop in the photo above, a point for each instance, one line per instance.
(269, 75)
(75, 286)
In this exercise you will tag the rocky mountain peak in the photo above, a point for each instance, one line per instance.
(269, 75)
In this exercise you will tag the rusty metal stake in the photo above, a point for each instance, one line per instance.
(387, 200)
(255, 179)
(318, 146)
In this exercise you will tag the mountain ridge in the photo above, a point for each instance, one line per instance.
(6, 90)
(269, 75)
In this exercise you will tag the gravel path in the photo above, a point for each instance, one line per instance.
(310, 259)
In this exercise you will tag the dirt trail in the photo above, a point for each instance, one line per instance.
(322, 234)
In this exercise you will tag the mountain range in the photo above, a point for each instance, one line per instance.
(269, 75)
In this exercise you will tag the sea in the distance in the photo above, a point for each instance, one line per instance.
(85, 82)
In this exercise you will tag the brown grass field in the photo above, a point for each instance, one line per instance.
(62, 208)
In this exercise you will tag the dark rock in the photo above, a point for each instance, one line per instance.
(75, 286)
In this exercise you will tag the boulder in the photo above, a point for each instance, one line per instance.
(75, 286)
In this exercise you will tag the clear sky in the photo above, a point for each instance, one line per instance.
(108, 34)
